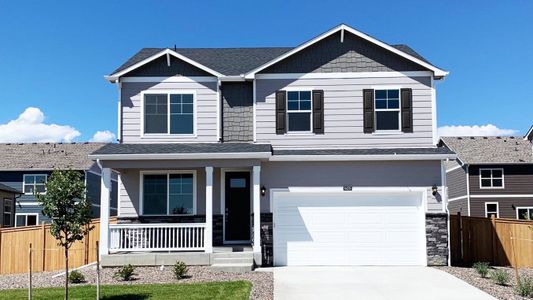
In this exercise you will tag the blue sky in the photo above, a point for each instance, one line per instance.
(53, 54)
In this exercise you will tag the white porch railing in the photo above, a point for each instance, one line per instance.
(156, 237)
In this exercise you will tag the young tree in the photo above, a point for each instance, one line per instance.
(66, 204)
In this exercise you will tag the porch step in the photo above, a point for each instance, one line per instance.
(235, 268)
(231, 260)
(249, 255)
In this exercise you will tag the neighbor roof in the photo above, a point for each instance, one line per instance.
(7, 188)
(491, 149)
(46, 156)
(239, 61)
(373, 151)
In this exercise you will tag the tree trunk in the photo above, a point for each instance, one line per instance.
(66, 273)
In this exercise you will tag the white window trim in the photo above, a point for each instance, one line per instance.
(168, 173)
(24, 183)
(168, 134)
(523, 207)
(492, 187)
(26, 222)
(310, 111)
(399, 110)
(497, 209)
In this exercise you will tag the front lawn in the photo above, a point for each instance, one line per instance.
(211, 290)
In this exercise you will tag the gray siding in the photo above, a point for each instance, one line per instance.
(477, 206)
(460, 205)
(357, 174)
(518, 179)
(160, 67)
(353, 55)
(456, 180)
(343, 113)
(206, 111)
(237, 111)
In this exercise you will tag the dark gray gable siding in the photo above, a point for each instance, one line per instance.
(456, 180)
(159, 68)
(505, 206)
(518, 179)
(353, 55)
(458, 206)
(237, 116)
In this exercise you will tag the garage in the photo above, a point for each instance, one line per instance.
(378, 227)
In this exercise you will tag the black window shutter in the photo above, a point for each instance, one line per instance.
(407, 110)
(281, 112)
(318, 111)
(368, 111)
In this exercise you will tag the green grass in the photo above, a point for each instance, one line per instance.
(212, 290)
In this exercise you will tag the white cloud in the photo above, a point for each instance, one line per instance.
(105, 136)
(476, 130)
(30, 127)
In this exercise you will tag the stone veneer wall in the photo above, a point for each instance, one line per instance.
(217, 223)
(437, 239)
(267, 248)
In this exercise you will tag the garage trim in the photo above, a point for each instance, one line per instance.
(422, 191)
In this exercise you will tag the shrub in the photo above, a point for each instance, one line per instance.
(125, 273)
(180, 269)
(524, 287)
(482, 268)
(500, 277)
(76, 277)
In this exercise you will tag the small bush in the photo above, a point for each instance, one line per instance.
(500, 277)
(180, 269)
(76, 277)
(524, 287)
(125, 273)
(482, 268)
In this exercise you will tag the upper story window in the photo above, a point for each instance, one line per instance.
(168, 193)
(491, 178)
(299, 110)
(8, 208)
(387, 110)
(169, 113)
(34, 183)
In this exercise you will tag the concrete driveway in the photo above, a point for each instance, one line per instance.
(371, 283)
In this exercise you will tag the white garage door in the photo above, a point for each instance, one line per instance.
(348, 228)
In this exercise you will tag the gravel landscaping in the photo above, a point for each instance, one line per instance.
(470, 276)
(262, 281)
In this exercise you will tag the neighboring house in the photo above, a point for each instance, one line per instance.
(329, 146)
(26, 167)
(491, 176)
(8, 196)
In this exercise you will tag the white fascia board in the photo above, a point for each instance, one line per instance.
(343, 75)
(361, 157)
(503, 196)
(115, 76)
(182, 156)
(436, 71)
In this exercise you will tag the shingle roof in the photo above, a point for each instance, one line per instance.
(392, 151)
(231, 61)
(46, 156)
(491, 149)
(7, 188)
(182, 148)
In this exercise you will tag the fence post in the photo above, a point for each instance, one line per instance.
(1, 251)
(29, 273)
(97, 271)
(43, 228)
(513, 254)
(86, 248)
(494, 239)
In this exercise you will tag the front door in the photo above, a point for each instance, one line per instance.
(237, 207)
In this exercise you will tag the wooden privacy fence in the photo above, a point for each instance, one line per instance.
(501, 242)
(47, 255)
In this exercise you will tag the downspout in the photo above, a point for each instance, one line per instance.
(468, 188)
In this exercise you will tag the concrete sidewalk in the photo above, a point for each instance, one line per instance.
(371, 283)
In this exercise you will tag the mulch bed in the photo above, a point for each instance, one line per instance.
(262, 289)
(470, 276)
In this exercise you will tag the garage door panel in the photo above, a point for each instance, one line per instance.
(348, 229)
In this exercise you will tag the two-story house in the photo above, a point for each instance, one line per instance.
(492, 176)
(329, 146)
(26, 167)
(8, 196)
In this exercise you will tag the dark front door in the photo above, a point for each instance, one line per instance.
(237, 206)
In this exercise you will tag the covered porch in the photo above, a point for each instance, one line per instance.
(176, 205)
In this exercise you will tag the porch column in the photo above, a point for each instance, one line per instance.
(105, 193)
(257, 209)
(208, 234)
